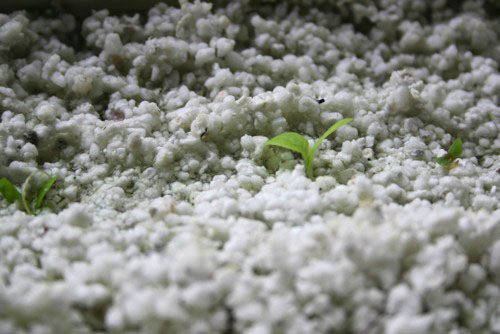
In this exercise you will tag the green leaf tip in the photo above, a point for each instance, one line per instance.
(455, 148)
(298, 143)
(328, 132)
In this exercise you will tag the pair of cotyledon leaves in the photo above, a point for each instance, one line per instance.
(31, 204)
(453, 153)
(298, 143)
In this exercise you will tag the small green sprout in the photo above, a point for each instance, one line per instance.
(29, 203)
(448, 160)
(298, 143)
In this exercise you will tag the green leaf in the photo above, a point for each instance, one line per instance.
(295, 142)
(43, 191)
(455, 148)
(292, 141)
(9, 191)
(328, 132)
(445, 160)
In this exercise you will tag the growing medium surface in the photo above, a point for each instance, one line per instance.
(170, 215)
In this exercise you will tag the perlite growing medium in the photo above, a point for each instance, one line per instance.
(169, 215)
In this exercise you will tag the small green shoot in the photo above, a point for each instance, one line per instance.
(448, 160)
(298, 143)
(31, 204)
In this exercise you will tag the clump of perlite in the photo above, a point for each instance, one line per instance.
(172, 215)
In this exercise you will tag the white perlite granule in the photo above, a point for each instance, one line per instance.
(172, 217)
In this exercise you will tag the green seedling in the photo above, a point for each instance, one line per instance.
(31, 204)
(298, 143)
(448, 160)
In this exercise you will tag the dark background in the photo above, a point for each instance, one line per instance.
(82, 8)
